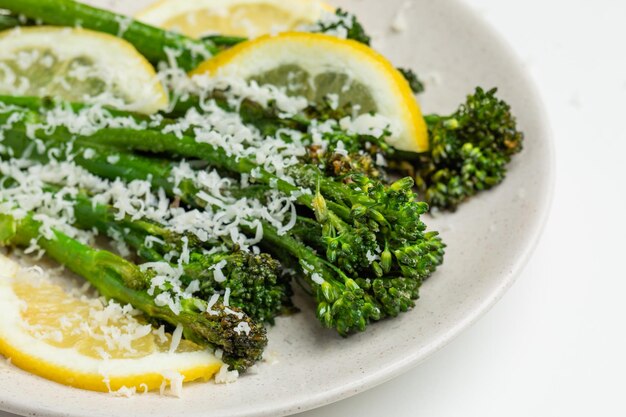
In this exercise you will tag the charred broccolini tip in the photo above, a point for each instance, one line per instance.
(114, 277)
(469, 150)
(348, 153)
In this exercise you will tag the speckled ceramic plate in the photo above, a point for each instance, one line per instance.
(489, 240)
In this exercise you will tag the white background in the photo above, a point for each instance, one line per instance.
(555, 345)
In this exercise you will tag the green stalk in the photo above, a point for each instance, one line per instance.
(346, 317)
(118, 279)
(267, 119)
(340, 228)
(356, 220)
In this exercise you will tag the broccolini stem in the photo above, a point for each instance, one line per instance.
(116, 278)
(331, 286)
(357, 218)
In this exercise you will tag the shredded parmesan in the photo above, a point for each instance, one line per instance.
(218, 275)
(176, 337)
(243, 327)
(224, 376)
(175, 381)
(226, 297)
(211, 303)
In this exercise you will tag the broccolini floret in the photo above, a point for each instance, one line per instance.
(469, 150)
(116, 278)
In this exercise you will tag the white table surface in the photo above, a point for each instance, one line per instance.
(555, 345)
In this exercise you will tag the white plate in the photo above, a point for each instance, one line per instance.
(489, 239)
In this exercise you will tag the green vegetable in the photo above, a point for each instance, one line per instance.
(417, 86)
(254, 281)
(344, 302)
(152, 42)
(341, 305)
(469, 150)
(121, 280)
(360, 215)
(359, 219)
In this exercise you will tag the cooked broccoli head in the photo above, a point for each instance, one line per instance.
(469, 150)
(255, 282)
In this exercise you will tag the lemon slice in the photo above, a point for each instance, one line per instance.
(78, 65)
(84, 342)
(248, 18)
(320, 67)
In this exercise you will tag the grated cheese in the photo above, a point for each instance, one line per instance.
(124, 23)
(176, 337)
(160, 333)
(124, 391)
(211, 303)
(399, 23)
(227, 297)
(242, 327)
(317, 278)
(175, 381)
(218, 275)
(224, 376)
(89, 153)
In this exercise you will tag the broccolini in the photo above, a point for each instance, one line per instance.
(118, 279)
(469, 150)
(374, 250)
